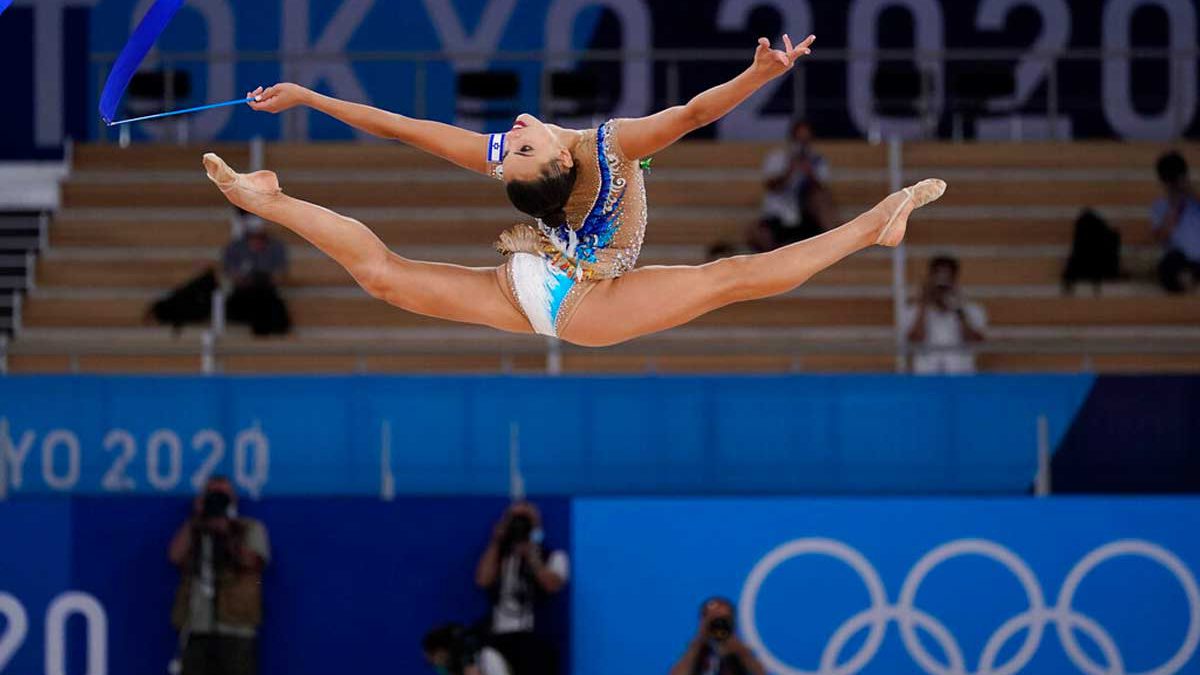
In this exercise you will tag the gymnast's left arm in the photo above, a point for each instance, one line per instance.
(644, 136)
(467, 149)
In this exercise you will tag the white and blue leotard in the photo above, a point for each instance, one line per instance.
(551, 269)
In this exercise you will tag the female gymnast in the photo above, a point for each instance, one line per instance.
(570, 274)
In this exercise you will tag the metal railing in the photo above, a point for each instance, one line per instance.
(210, 352)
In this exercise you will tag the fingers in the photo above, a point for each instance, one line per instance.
(802, 49)
(787, 44)
(764, 43)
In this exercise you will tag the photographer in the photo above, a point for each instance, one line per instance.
(716, 649)
(942, 324)
(218, 606)
(797, 203)
(518, 570)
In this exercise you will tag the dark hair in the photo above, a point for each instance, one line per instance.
(1172, 167)
(719, 599)
(545, 198)
(445, 637)
(944, 261)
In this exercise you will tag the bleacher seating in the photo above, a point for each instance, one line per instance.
(137, 221)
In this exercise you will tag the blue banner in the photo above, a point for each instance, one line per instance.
(685, 435)
(894, 586)
(352, 586)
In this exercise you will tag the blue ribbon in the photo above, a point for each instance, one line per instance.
(4, 5)
(143, 38)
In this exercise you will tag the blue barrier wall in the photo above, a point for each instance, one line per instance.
(353, 585)
(837, 579)
(355, 582)
(689, 435)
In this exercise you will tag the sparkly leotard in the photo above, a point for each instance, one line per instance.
(551, 269)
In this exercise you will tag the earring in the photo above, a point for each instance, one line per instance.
(498, 171)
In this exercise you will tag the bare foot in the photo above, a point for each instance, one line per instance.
(900, 206)
(249, 191)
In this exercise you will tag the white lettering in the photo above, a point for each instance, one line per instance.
(48, 67)
(455, 39)
(1118, 84)
(70, 441)
(636, 29)
(218, 18)
(16, 627)
(333, 67)
(14, 455)
(749, 121)
(59, 611)
(864, 45)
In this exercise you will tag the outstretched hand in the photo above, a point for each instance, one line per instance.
(276, 98)
(775, 62)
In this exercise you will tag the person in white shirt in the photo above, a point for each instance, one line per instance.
(941, 325)
(796, 202)
(1176, 222)
(518, 570)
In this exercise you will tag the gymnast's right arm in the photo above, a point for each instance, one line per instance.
(467, 149)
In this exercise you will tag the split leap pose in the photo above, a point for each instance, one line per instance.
(570, 274)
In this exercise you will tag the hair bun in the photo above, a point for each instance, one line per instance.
(555, 218)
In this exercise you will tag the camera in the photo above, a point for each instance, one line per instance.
(216, 504)
(520, 527)
(720, 628)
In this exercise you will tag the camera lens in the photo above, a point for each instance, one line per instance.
(216, 504)
(720, 628)
(519, 529)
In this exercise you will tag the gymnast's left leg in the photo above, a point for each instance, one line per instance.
(439, 290)
(652, 299)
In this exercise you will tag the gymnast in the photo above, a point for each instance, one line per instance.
(571, 273)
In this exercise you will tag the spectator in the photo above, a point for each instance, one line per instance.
(716, 649)
(942, 324)
(254, 264)
(218, 607)
(518, 570)
(1176, 222)
(454, 649)
(796, 203)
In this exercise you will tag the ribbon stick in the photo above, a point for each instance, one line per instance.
(210, 106)
(143, 38)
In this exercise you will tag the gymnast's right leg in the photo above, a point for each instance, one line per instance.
(452, 292)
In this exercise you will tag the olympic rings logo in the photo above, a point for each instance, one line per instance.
(909, 618)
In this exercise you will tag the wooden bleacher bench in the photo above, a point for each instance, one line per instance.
(139, 220)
